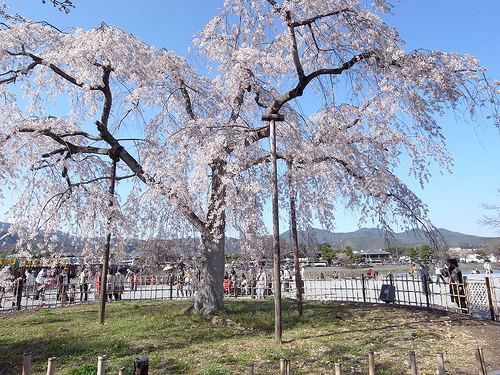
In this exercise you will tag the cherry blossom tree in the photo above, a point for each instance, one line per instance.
(192, 149)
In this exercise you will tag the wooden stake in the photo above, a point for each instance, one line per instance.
(413, 363)
(338, 369)
(27, 363)
(440, 361)
(285, 366)
(481, 366)
(101, 365)
(51, 366)
(141, 366)
(371, 363)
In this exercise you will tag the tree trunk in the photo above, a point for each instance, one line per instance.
(210, 295)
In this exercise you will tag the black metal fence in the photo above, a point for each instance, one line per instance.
(478, 297)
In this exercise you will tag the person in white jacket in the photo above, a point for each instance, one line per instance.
(261, 283)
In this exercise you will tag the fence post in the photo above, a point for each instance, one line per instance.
(141, 366)
(371, 363)
(338, 369)
(51, 366)
(27, 363)
(490, 300)
(413, 363)
(481, 366)
(121, 371)
(440, 361)
(285, 366)
(101, 364)
(250, 368)
(363, 287)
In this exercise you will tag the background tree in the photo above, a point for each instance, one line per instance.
(492, 221)
(193, 150)
(327, 253)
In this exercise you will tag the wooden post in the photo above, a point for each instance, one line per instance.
(490, 299)
(101, 364)
(440, 361)
(413, 363)
(371, 363)
(250, 368)
(481, 366)
(338, 369)
(121, 371)
(141, 366)
(363, 287)
(285, 366)
(51, 366)
(27, 363)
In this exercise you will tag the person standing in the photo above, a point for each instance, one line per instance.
(18, 292)
(424, 277)
(487, 267)
(98, 281)
(63, 286)
(439, 274)
(83, 280)
(134, 280)
(457, 291)
(287, 277)
(119, 284)
(261, 283)
(40, 284)
(110, 285)
(30, 283)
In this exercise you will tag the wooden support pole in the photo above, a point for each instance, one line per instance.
(440, 362)
(413, 363)
(101, 365)
(121, 371)
(141, 366)
(27, 363)
(481, 366)
(51, 366)
(371, 363)
(338, 369)
(250, 369)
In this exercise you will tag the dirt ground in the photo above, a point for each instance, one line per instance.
(457, 335)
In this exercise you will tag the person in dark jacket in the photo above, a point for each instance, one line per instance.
(457, 291)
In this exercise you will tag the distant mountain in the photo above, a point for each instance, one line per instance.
(361, 239)
(371, 238)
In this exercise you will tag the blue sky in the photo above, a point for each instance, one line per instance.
(455, 200)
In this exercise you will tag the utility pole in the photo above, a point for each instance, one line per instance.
(272, 118)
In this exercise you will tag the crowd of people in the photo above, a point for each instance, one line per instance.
(449, 273)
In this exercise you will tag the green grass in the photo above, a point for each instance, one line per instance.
(176, 343)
